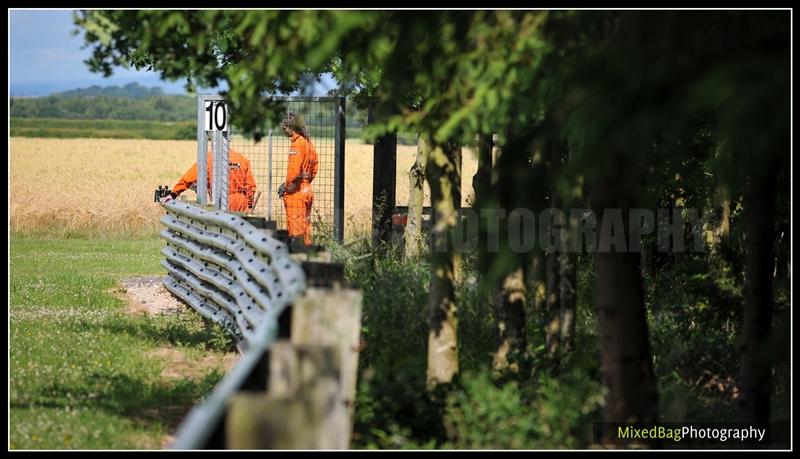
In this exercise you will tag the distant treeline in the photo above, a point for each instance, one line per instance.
(129, 91)
(157, 108)
(134, 111)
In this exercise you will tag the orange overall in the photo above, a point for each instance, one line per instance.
(241, 185)
(299, 196)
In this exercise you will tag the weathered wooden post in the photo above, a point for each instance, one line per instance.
(311, 386)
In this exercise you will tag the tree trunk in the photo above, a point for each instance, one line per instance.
(443, 175)
(509, 310)
(724, 228)
(783, 228)
(536, 279)
(648, 247)
(553, 303)
(569, 298)
(416, 198)
(458, 268)
(553, 264)
(626, 362)
(482, 186)
(510, 293)
(759, 209)
(721, 231)
(783, 252)
(569, 270)
(482, 180)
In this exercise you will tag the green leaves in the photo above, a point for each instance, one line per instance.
(381, 58)
(100, 27)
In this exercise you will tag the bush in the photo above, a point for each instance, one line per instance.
(555, 400)
(394, 409)
(186, 132)
(545, 413)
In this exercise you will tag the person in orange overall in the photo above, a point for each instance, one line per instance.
(297, 194)
(241, 184)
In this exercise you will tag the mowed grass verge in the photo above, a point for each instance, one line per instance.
(106, 129)
(86, 373)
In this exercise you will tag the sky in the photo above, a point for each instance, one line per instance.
(44, 57)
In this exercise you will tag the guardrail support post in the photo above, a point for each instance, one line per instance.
(333, 318)
(300, 408)
(312, 380)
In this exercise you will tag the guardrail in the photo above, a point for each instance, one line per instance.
(243, 278)
(226, 269)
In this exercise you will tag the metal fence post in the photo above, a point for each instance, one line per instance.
(269, 177)
(219, 180)
(338, 182)
(202, 146)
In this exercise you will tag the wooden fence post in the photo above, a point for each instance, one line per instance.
(311, 383)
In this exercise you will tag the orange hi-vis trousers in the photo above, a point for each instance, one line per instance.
(298, 211)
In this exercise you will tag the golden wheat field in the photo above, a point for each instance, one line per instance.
(105, 186)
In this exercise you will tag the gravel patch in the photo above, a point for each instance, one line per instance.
(147, 295)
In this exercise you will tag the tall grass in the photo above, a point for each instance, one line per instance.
(100, 187)
(104, 187)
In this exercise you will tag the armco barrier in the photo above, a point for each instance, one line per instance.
(244, 279)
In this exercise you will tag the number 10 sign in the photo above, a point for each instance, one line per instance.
(216, 116)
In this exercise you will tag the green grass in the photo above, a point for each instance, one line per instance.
(359, 133)
(139, 129)
(84, 373)
(114, 129)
